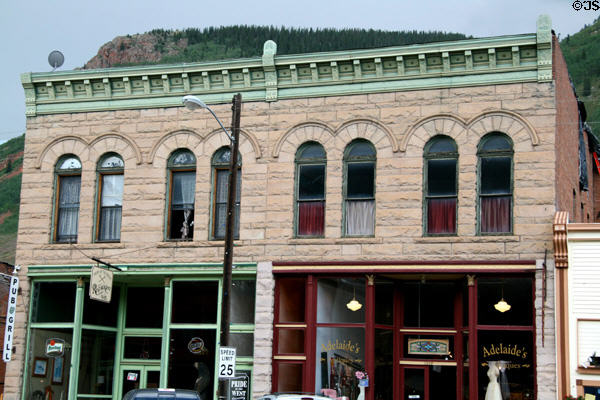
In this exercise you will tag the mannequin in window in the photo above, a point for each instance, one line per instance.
(493, 391)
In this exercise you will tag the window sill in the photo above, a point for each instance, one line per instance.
(84, 246)
(190, 244)
(345, 240)
(467, 239)
(588, 370)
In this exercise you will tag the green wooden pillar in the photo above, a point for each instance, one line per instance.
(76, 345)
(164, 357)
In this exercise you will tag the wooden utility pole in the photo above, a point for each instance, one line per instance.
(229, 231)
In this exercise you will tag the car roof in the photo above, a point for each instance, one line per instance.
(156, 394)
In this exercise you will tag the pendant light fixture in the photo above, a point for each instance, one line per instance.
(354, 305)
(502, 305)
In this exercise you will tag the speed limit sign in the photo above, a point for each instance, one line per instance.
(227, 362)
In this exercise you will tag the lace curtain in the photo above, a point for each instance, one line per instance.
(68, 208)
(111, 207)
(360, 217)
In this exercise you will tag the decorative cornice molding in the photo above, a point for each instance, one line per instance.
(561, 252)
(472, 62)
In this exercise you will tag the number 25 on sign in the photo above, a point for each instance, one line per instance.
(226, 362)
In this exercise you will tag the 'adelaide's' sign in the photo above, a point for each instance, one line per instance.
(516, 356)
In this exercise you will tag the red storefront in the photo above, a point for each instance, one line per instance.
(424, 331)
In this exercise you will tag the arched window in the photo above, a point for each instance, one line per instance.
(495, 153)
(68, 185)
(220, 166)
(182, 185)
(110, 197)
(310, 190)
(441, 159)
(359, 190)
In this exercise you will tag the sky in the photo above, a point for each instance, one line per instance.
(31, 29)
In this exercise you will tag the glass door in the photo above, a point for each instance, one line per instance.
(139, 377)
(415, 383)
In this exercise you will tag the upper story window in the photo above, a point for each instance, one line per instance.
(310, 190)
(441, 159)
(359, 191)
(110, 197)
(495, 153)
(182, 185)
(68, 185)
(220, 164)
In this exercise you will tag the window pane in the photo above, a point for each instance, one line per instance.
(414, 383)
(361, 178)
(53, 302)
(313, 151)
(220, 206)
(341, 354)
(311, 218)
(192, 360)
(495, 175)
(442, 145)
(517, 292)
(243, 342)
(384, 363)
(97, 360)
(360, 217)
(311, 185)
(110, 223)
(442, 383)
(289, 377)
(441, 177)
(112, 162)
(384, 303)
(195, 302)
(495, 214)
(441, 215)
(145, 307)
(290, 341)
(243, 297)
(361, 149)
(183, 158)
(183, 189)
(100, 313)
(333, 297)
(429, 304)
(112, 190)
(68, 208)
(142, 348)
(70, 163)
(291, 300)
(496, 143)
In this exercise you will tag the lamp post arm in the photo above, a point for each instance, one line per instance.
(222, 127)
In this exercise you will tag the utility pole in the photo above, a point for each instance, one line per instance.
(229, 231)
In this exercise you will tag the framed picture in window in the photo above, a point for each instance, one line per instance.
(40, 366)
(58, 366)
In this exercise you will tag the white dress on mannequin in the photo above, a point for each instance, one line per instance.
(493, 390)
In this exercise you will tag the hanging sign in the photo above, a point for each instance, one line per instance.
(227, 362)
(239, 387)
(55, 347)
(196, 346)
(11, 311)
(101, 284)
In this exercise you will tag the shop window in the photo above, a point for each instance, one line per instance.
(145, 307)
(441, 159)
(291, 300)
(429, 304)
(359, 191)
(192, 360)
(384, 303)
(96, 362)
(220, 165)
(341, 353)
(110, 197)
(53, 302)
(495, 183)
(333, 298)
(68, 186)
(99, 313)
(516, 292)
(384, 363)
(142, 348)
(243, 298)
(506, 364)
(310, 190)
(182, 184)
(195, 302)
(289, 377)
(290, 341)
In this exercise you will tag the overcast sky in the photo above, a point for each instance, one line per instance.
(31, 29)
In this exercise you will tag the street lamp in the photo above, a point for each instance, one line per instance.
(194, 103)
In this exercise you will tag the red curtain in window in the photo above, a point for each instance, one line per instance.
(495, 214)
(311, 218)
(441, 216)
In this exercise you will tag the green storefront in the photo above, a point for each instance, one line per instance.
(160, 329)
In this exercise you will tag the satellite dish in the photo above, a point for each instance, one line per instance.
(56, 59)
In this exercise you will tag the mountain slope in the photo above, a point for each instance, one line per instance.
(11, 168)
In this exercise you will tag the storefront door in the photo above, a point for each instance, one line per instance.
(138, 377)
(415, 383)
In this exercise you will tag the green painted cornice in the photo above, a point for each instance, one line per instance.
(504, 59)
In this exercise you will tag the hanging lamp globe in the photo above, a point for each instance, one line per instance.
(354, 305)
(502, 306)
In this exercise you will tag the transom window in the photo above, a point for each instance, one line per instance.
(359, 191)
(441, 157)
(495, 183)
(220, 162)
(110, 197)
(68, 186)
(310, 190)
(182, 185)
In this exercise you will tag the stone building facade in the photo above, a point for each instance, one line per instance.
(394, 105)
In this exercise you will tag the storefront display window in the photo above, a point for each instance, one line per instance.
(516, 292)
(192, 360)
(100, 313)
(195, 302)
(333, 297)
(53, 302)
(384, 363)
(96, 362)
(145, 307)
(429, 304)
(384, 303)
(291, 300)
(142, 348)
